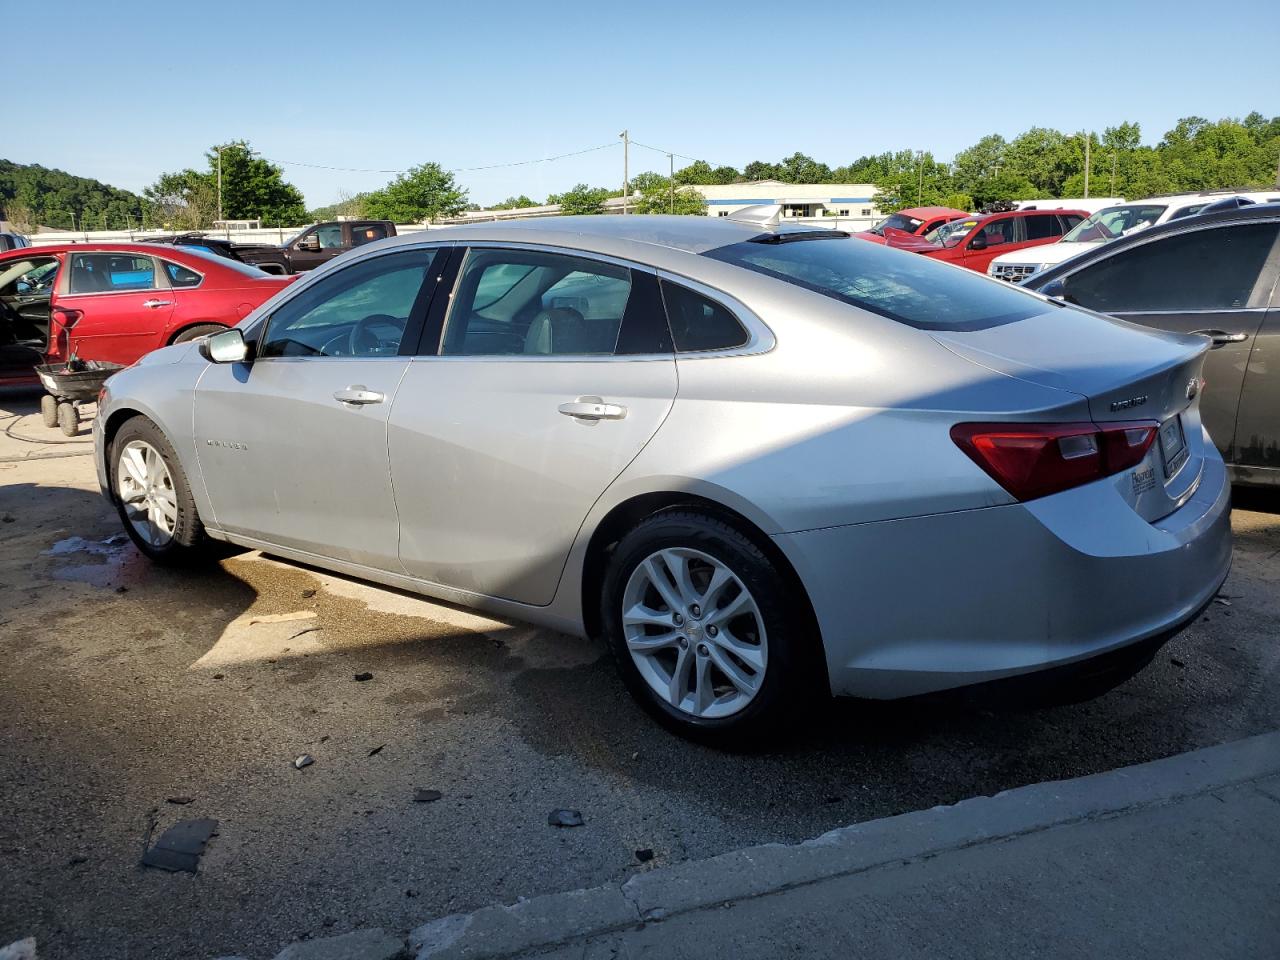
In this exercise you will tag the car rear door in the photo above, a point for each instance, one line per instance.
(553, 372)
(1212, 280)
(293, 445)
(1257, 443)
(123, 302)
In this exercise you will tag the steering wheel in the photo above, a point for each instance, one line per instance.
(362, 341)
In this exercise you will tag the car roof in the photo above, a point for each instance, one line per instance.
(690, 234)
(926, 212)
(1256, 211)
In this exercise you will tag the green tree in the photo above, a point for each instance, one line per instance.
(424, 192)
(514, 203)
(659, 194)
(254, 188)
(581, 200)
(55, 198)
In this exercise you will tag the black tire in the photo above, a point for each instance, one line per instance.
(199, 330)
(68, 419)
(189, 543)
(49, 410)
(790, 675)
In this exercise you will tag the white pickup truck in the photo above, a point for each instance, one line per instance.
(1108, 224)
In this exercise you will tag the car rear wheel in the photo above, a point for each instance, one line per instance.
(153, 496)
(703, 629)
(199, 330)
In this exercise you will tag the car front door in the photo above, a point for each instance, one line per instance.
(553, 372)
(26, 286)
(989, 241)
(318, 245)
(1213, 281)
(293, 445)
(124, 303)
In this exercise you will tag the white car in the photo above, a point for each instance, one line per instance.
(1108, 224)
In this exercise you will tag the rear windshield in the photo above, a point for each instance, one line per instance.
(225, 262)
(902, 286)
(898, 221)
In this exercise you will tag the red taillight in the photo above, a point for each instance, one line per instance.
(1036, 459)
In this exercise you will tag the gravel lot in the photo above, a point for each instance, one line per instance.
(125, 685)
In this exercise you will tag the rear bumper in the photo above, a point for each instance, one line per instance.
(932, 603)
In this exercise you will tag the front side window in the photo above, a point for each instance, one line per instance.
(515, 302)
(330, 237)
(1214, 269)
(28, 276)
(367, 234)
(111, 272)
(996, 233)
(698, 322)
(915, 290)
(1112, 222)
(361, 311)
(180, 276)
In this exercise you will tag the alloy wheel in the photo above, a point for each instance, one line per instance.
(695, 632)
(146, 489)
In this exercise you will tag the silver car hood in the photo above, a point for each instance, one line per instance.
(1126, 371)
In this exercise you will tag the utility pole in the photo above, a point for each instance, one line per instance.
(1087, 138)
(671, 180)
(626, 176)
(920, 185)
(1113, 173)
(219, 149)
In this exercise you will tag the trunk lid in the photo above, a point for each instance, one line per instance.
(1125, 372)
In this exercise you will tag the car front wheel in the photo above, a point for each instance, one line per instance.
(704, 630)
(153, 496)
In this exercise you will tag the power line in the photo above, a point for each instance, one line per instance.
(491, 166)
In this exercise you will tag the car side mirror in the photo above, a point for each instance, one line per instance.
(227, 346)
(311, 244)
(1056, 289)
(978, 243)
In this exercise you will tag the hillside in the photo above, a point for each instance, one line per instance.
(32, 195)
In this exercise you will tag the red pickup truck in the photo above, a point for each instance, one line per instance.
(911, 221)
(979, 240)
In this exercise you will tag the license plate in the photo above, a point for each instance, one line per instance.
(1173, 446)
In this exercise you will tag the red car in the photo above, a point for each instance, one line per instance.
(116, 301)
(976, 241)
(912, 222)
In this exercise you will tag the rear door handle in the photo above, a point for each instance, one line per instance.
(156, 304)
(1221, 338)
(358, 394)
(592, 408)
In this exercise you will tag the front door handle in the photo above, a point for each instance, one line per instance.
(358, 394)
(156, 304)
(1221, 338)
(592, 408)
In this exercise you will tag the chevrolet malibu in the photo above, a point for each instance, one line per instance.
(759, 460)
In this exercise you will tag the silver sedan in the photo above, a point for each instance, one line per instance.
(759, 460)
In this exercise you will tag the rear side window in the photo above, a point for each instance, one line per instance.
(180, 276)
(902, 286)
(1213, 269)
(111, 272)
(698, 322)
(1042, 226)
(367, 233)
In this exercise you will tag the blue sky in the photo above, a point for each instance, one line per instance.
(128, 89)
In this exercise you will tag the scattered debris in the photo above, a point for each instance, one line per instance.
(1222, 600)
(180, 801)
(218, 676)
(301, 632)
(325, 738)
(636, 755)
(308, 594)
(116, 540)
(564, 818)
(181, 846)
(1176, 662)
(122, 589)
(411, 893)
(376, 750)
(305, 760)
(77, 860)
(422, 795)
(6, 519)
(362, 677)
(644, 855)
(283, 617)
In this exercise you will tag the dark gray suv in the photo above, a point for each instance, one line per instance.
(1215, 275)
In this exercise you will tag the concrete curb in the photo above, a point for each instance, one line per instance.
(556, 919)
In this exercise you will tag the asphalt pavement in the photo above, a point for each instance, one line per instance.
(126, 686)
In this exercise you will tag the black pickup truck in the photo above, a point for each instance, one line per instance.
(313, 246)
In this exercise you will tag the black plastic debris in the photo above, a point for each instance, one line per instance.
(308, 593)
(422, 795)
(644, 855)
(376, 750)
(362, 677)
(565, 818)
(180, 847)
(180, 801)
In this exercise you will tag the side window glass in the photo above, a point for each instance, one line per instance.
(366, 234)
(699, 323)
(1213, 269)
(361, 311)
(513, 302)
(180, 276)
(111, 272)
(993, 234)
(330, 237)
(1042, 227)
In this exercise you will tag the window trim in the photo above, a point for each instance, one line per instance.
(1259, 295)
